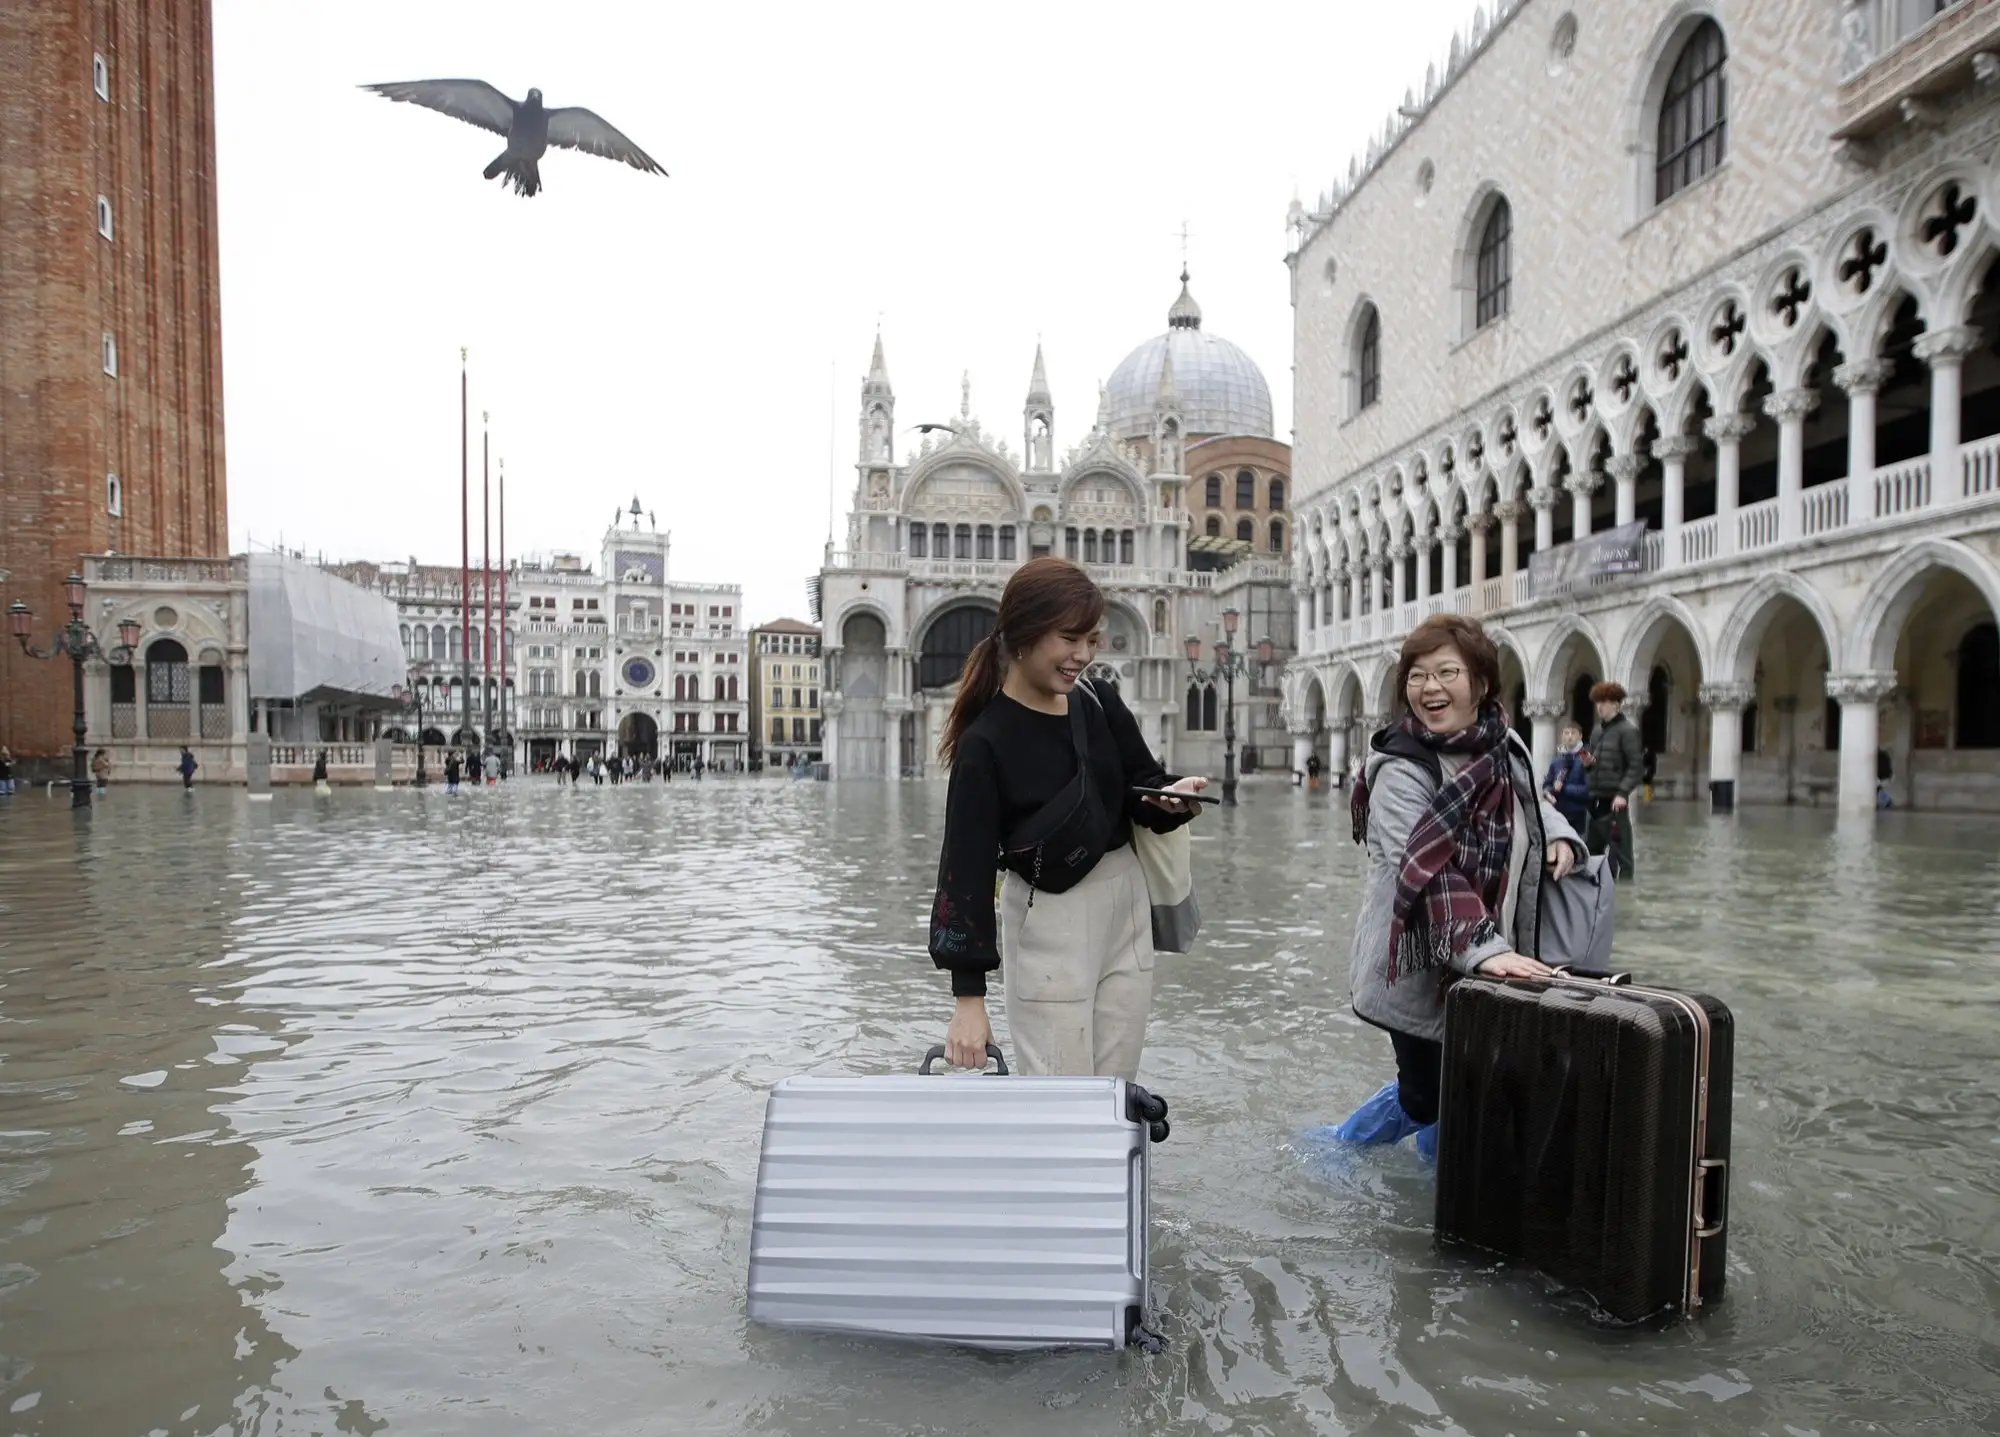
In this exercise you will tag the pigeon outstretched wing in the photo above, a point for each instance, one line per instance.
(473, 101)
(579, 129)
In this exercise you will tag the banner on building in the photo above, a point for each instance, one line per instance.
(1605, 555)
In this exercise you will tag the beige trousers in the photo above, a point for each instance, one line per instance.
(1078, 968)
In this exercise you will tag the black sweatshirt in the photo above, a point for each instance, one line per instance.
(1012, 760)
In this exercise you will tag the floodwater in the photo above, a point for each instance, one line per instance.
(404, 1113)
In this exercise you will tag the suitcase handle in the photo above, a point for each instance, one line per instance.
(992, 1051)
(1718, 1170)
(1609, 980)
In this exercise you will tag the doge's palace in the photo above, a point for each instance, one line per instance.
(1664, 335)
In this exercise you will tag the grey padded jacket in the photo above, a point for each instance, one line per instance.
(1400, 791)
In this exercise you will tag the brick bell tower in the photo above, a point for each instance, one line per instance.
(110, 314)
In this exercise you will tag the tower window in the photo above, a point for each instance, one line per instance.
(104, 216)
(110, 353)
(114, 496)
(1694, 114)
(1215, 491)
(1277, 493)
(1246, 490)
(1246, 532)
(100, 77)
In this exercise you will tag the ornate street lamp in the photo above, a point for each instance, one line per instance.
(413, 697)
(75, 640)
(1226, 665)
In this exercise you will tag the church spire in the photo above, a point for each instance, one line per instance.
(878, 411)
(1038, 421)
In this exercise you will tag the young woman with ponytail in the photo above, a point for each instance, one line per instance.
(1043, 765)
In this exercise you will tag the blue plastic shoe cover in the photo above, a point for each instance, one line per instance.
(1427, 1143)
(1379, 1120)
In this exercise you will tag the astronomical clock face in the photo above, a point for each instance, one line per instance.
(638, 673)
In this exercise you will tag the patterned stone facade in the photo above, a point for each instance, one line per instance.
(1784, 372)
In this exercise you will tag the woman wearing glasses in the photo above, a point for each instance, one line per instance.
(1460, 840)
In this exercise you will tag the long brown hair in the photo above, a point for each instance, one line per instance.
(1045, 596)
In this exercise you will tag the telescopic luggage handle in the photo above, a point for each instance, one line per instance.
(992, 1051)
(1608, 980)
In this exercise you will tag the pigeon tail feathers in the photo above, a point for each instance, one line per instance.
(525, 175)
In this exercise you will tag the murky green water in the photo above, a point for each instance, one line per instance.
(393, 1112)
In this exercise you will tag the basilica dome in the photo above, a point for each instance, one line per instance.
(1221, 389)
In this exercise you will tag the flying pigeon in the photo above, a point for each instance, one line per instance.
(529, 128)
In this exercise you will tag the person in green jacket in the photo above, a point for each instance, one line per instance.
(1617, 762)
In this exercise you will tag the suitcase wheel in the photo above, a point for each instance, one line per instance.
(1142, 1106)
(1159, 1129)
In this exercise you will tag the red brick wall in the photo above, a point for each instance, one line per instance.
(64, 423)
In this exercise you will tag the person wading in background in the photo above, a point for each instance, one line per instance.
(1073, 929)
(1568, 783)
(187, 766)
(1617, 763)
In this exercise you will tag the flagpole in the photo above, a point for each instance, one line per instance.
(506, 651)
(464, 547)
(486, 575)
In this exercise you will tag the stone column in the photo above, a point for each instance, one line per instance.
(1673, 453)
(1547, 714)
(1399, 558)
(1790, 409)
(1859, 695)
(1509, 514)
(1725, 703)
(1787, 710)
(1480, 525)
(1336, 755)
(1543, 501)
(1352, 578)
(1861, 382)
(1945, 351)
(1448, 552)
(1728, 431)
(1302, 747)
(1423, 549)
(1624, 470)
(1308, 615)
(898, 666)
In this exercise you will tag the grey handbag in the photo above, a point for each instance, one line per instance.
(1578, 916)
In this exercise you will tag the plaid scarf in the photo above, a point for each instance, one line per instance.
(1454, 870)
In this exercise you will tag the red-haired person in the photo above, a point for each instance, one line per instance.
(1460, 840)
(1043, 765)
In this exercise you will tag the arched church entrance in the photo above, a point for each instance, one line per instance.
(952, 637)
(864, 674)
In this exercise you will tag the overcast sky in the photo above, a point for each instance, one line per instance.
(976, 175)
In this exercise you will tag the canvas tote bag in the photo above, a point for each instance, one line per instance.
(1166, 860)
(1578, 917)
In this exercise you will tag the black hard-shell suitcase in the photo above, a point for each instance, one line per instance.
(1583, 1129)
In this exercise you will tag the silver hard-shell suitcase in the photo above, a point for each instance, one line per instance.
(1000, 1212)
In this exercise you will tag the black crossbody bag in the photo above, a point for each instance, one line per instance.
(1063, 839)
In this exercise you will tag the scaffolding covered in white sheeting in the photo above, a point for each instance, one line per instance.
(313, 635)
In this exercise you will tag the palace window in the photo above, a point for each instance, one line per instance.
(1215, 491)
(1090, 546)
(1277, 494)
(962, 542)
(1277, 536)
(1007, 544)
(1215, 526)
(1495, 275)
(1368, 360)
(1125, 546)
(1694, 114)
(919, 541)
(985, 541)
(940, 541)
(1246, 490)
(1246, 531)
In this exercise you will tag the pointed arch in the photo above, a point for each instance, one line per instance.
(1634, 664)
(1743, 632)
(1895, 590)
(1543, 679)
(1345, 686)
